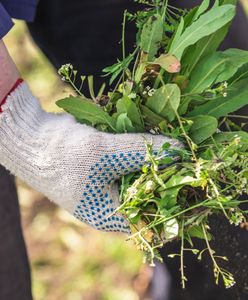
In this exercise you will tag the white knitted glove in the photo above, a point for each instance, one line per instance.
(73, 165)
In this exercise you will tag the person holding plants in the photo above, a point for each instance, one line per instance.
(41, 139)
(73, 165)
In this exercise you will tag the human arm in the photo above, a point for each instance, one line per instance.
(74, 165)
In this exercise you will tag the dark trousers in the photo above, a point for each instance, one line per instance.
(15, 283)
(86, 33)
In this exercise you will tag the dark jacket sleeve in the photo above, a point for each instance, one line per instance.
(19, 9)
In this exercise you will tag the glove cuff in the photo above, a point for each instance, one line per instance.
(17, 83)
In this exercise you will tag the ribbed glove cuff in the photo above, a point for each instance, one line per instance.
(17, 83)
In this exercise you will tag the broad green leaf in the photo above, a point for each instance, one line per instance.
(133, 212)
(151, 36)
(165, 101)
(150, 117)
(126, 105)
(194, 100)
(168, 62)
(240, 74)
(223, 2)
(202, 8)
(196, 231)
(218, 67)
(172, 188)
(178, 32)
(222, 137)
(206, 45)
(202, 48)
(124, 124)
(84, 109)
(237, 97)
(203, 127)
(207, 24)
(189, 17)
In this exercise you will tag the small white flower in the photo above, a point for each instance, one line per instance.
(225, 84)
(224, 94)
(151, 92)
(150, 185)
(132, 191)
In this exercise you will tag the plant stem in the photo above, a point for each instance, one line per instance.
(183, 278)
(74, 86)
(216, 267)
(185, 135)
(165, 219)
(123, 41)
(238, 116)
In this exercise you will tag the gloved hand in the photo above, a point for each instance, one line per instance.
(74, 165)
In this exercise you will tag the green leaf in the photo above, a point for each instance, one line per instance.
(150, 117)
(83, 109)
(207, 24)
(237, 97)
(189, 17)
(223, 137)
(126, 105)
(178, 31)
(240, 74)
(202, 8)
(151, 36)
(229, 136)
(168, 62)
(133, 212)
(196, 231)
(203, 127)
(165, 101)
(218, 67)
(206, 45)
(124, 124)
(172, 188)
(115, 70)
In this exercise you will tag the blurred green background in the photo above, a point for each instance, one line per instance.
(69, 260)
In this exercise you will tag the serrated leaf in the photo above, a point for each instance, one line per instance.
(165, 101)
(151, 36)
(203, 127)
(207, 24)
(84, 109)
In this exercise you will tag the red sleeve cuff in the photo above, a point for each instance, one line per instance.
(18, 82)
